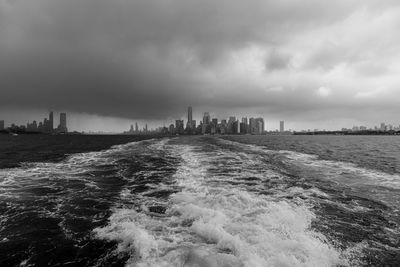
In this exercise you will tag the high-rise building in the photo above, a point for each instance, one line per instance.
(256, 125)
(252, 126)
(190, 118)
(214, 126)
(1, 125)
(171, 129)
(260, 125)
(51, 122)
(281, 126)
(206, 127)
(243, 128)
(235, 127)
(230, 127)
(206, 118)
(179, 126)
(62, 127)
(46, 125)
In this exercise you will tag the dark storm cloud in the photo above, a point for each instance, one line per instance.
(149, 59)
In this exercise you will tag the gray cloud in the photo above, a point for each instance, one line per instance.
(149, 59)
(277, 60)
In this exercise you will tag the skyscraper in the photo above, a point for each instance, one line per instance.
(281, 126)
(62, 128)
(260, 125)
(179, 126)
(46, 126)
(1, 125)
(253, 126)
(206, 127)
(171, 129)
(51, 122)
(244, 128)
(190, 118)
(235, 127)
(206, 118)
(256, 125)
(230, 127)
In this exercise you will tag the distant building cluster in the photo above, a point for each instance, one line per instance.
(209, 125)
(45, 126)
(383, 127)
(136, 130)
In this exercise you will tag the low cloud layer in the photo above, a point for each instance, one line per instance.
(311, 60)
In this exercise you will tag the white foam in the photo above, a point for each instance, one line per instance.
(131, 238)
(333, 169)
(71, 177)
(218, 225)
(337, 169)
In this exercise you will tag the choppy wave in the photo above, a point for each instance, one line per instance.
(360, 175)
(345, 173)
(357, 207)
(218, 224)
(198, 201)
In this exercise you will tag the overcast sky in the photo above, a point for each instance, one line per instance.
(314, 64)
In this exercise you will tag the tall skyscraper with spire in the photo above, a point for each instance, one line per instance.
(190, 118)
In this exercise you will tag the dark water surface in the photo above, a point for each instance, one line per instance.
(208, 201)
(53, 148)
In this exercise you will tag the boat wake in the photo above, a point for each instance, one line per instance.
(215, 220)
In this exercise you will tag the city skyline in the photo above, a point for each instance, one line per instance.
(46, 126)
(268, 126)
(245, 125)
